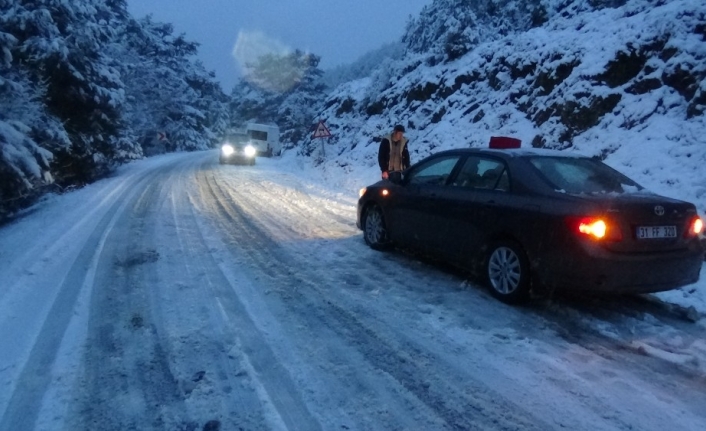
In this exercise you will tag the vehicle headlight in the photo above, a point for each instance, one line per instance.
(249, 150)
(227, 149)
(362, 191)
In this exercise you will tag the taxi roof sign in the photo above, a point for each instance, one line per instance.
(504, 142)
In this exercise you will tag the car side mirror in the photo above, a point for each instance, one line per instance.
(395, 177)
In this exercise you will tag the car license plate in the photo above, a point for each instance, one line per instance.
(649, 232)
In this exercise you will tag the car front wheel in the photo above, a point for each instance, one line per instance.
(374, 230)
(508, 272)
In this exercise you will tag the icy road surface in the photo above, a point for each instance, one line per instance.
(185, 295)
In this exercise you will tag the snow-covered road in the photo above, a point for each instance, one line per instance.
(186, 295)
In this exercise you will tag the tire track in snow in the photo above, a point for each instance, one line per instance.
(276, 384)
(34, 379)
(295, 212)
(127, 381)
(202, 345)
(450, 403)
(35, 258)
(251, 243)
(140, 371)
(245, 359)
(619, 328)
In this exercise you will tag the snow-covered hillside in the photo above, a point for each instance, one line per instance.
(625, 83)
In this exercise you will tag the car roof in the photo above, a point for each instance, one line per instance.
(516, 152)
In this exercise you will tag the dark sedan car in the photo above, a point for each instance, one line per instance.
(525, 218)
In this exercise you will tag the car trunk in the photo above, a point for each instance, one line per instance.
(649, 223)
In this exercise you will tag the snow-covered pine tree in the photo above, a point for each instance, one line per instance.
(61, 43)
(24, 165)
(168, 91)
(212, 101)
(300, 107)
(78, 80)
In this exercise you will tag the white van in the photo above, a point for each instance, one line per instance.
(264, 137)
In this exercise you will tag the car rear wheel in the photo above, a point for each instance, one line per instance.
(374, 230)
(508, 272)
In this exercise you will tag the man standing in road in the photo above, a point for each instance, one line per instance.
(393, 154)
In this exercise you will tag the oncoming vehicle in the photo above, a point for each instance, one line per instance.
(523, 219)
(237, 151)
(264, 138)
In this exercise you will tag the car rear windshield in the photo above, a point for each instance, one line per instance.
(583, 175)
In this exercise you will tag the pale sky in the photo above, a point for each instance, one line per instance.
(339, 31)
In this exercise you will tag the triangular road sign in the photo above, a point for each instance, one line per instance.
(321, 131)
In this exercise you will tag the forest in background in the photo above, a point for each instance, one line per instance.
(85, 87)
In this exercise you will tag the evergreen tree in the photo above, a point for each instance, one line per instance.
(287, 90)
(61, 43)
(78, 81)
(24, 164)
(167, 91)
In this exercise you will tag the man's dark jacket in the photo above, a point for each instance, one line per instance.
(384, 154)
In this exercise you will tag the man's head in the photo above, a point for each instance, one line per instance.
(398, 132)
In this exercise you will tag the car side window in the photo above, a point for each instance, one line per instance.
(435, 172)
(481, 173)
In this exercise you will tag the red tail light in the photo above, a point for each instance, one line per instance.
(597, 228)
(696, 227)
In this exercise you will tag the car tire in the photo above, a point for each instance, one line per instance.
(374, 229)
(507, 272)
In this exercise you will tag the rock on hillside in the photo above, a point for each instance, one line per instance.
(621, 83)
